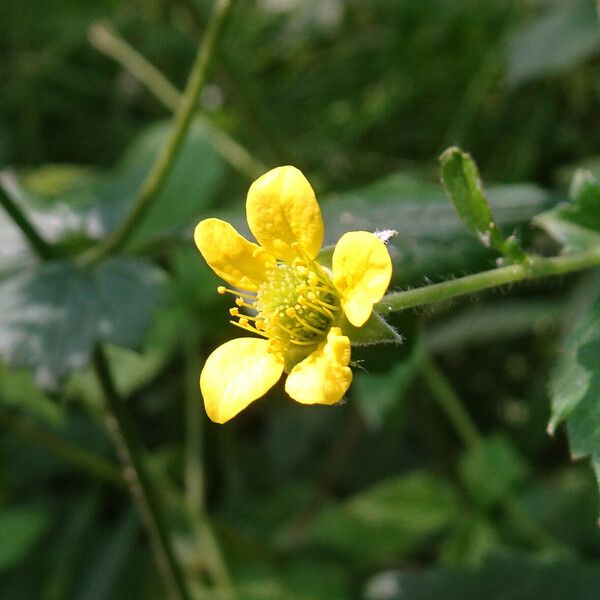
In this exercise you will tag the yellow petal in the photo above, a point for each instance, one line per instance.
(231, 256)
(282, 209)
(324, 376)
(362, 270)
(236, 374)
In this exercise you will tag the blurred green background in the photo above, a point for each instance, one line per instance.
(378, 499)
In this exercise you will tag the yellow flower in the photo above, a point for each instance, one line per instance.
(295, 305)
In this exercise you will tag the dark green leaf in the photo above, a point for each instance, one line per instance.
(492, 470)
(576, 225)
(52, 315)
(470, 542)
(463, 184)
(431, 239)
(21, 527)
(18, 391)
(507, 579)
(390, 519)
(109, 566)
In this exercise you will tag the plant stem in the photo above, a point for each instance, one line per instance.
(535, 268)
(107, 42)
(157, 177)
(122, 429)
(39, 245)
(80, 457)
(449, 401)
(194, 477)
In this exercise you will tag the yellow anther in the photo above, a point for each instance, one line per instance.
(239, 301)
(234, 312)
(221, 290)
(290, 312)
(244, 321)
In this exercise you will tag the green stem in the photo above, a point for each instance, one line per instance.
(194, 477)
(122, 429)
(110, 44)
(450, 402)
(39, 245)
(535, 268)
(79, 457)
(157, 177)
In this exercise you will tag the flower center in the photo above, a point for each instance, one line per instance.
(296, 304)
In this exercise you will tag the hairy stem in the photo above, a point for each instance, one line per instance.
(38, 244)
(535, 268)
(108, 42)
(122, 429)
(159, 172)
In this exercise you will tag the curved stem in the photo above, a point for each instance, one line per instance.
(110, 44)
(69, 452)
(39, 245)
(157, 177)
(122, 429)
(535, 268)
(450, 403)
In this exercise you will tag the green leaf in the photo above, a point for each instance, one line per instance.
(491, 471)
(575, 380)
(431, 239)
(18, 391)
(576, 225)
(575, 388)
(51, 316)
(513, 578)
(470, 542)
(391, 519)
(463, 184)
(375, 331)
(110, 564)
(562, 37)
(77, 207)
(21, 527)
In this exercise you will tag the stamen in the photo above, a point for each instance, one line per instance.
(248, 327)
(223, 290)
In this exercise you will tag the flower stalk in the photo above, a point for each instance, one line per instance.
(124, 433)
(535, 268)
(157, 176)
(110, 44)
(38, 244)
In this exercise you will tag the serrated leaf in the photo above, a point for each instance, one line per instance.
(463, 184)
(575, 388)
(88, 208)
(576, 225)
(392, 518)
(53, 315)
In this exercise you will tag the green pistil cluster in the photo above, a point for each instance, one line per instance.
(296, 304)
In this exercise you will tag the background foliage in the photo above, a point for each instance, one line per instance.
(377, 499)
